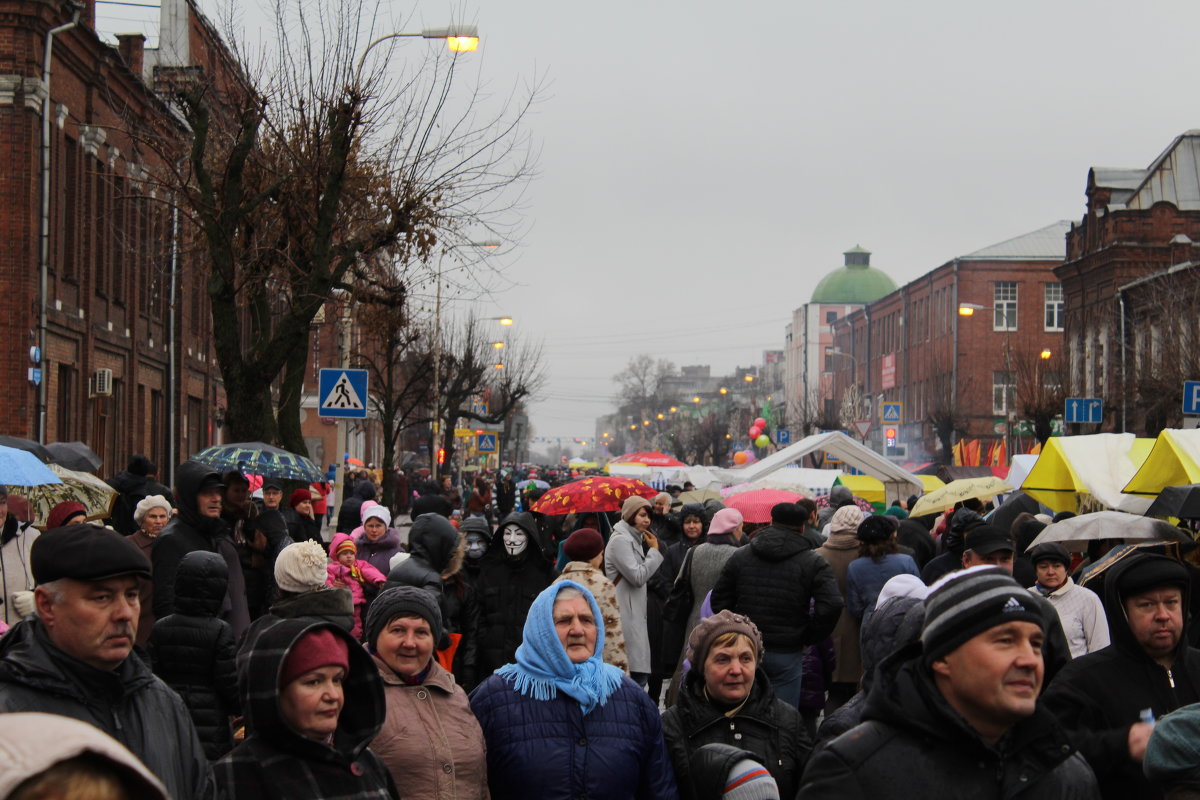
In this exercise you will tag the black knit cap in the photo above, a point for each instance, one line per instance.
(967, 603)
(85, 553)
(876, 528)
(790, 515)
(402, 601)
(1146, 571)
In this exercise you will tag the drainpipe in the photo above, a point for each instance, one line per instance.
(1124, 347)
(172, 348)
(44, 224)
(954, 355)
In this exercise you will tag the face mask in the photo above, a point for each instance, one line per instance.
(476, 545)
(515, 540)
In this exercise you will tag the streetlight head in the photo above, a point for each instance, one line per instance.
(499, 366)
(505, 320)
(968, 309)
(723, 390)
(645, 422)
(498, 345)
(460, 38)
(674, 409)
(749, 379)
(1046, 353)
(696, 399)
(660, 416)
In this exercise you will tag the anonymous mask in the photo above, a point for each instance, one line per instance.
(515, 540)
(476, 545)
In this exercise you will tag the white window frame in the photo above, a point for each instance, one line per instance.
(1004, 392)
(1004, 301)
(1054, 307)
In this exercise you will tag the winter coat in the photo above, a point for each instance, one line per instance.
(302, 529)
(132, 489)
(629, 568)
(711, 766)
(430, 741)
(773, 581)
(817, 668)
(128, 703)
(605, 593)
(549, 750)
(915, 537)
(350, 514)
(507, 587)
(865, 578)
(187, 532)
(460, 614)
(839, 550)
(325, 605)
(1099, 695)
(274, 761)
(146, 617)
(432, 545)
(194, 652)
(765, 725)
(1081, 612)
(379, 553)
(15, 576)
(698, 574)
(913, 744)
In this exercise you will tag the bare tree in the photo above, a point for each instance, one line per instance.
(945, 416)
(642, 391)
(1040, 394)
(1162, 349)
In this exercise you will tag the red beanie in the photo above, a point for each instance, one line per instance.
(298, 497)
(315, 649)
(583, 545)
(63, 512)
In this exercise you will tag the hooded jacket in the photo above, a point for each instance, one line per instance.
(912, 736)
(194, 652)
(432, 545)
(507, 586)
(350, 514)
(773, 581)
(16, 538)
(951, 545)
(379, 552)
(839, 550)
(275, 761)
(128, 703)
(1098, 696)
(132, 489)
(765, 725)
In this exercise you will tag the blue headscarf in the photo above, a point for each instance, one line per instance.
(543, 667)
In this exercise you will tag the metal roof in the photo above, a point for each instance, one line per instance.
(1048, 243)
(1174, 176)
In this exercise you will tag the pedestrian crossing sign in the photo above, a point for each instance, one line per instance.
(485, 442)
(892, 413)
(342, 393)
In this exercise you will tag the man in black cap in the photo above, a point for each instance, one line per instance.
(74, 658)
(1109, 699)
(986, 545)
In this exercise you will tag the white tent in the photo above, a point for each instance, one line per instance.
(897, 483)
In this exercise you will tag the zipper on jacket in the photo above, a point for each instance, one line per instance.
(1170, 677)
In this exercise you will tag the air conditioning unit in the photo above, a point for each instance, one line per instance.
(100, 384)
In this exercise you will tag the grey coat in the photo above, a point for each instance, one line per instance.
(623, 558)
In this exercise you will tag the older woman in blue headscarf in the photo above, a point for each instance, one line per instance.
(560, 723)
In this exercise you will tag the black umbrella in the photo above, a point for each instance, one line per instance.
(74, 455)
(1177, 501)
(28, 445)
(1017, 503)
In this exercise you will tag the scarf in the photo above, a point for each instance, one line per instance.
(543, 668)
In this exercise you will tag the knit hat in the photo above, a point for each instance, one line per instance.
(707, 630)
(789, 515)
(1173, 752)
(313, 650)
(299, 496)
(378, 512)
(583, 545)
(725, 521)
(750, 780)
(148, 502)
(631, 505)
(987, 539)
(344, 544)
(965, 604)
(875, 528)
(1145, 571)
(63, 512)
(300, 567)
(846, 518)
(1050, 551)
(476, 525)
(402, 601)
(140, 465)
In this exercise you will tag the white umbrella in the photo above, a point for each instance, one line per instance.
(1076, 532)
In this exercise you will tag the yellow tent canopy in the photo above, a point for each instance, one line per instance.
(1174, 460)
(1098, 465)
(872, 489)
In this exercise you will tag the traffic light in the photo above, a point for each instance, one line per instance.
(890, 436)
(441, 455)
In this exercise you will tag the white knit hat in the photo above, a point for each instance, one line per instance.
(300, 567)
(378, 512)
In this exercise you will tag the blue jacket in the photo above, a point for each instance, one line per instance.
(865, 579)
(547, 749)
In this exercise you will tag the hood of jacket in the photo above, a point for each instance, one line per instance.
(888, 628)
(128, 483)
(434, 540)
(1119, 576)
(364, 490)
(773, 543)
(267, 648)
(527, 523)
(188, 478)
(326, 604)
(200, 584)
(956, 530)
(842, 540)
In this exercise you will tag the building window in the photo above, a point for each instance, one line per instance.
(829, 359)
(830, 317)
(1004, 300)
(1004, 390)
(1054, 307)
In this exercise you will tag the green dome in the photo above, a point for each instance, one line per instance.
(856, 283)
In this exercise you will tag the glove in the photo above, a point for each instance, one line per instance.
(22, 603)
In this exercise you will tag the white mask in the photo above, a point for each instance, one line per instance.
(476, 545)
(515, 540)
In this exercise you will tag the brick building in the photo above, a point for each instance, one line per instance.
(913, 346)
(127, 365)
(1131, 286)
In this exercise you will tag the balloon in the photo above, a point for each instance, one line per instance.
(755, 432)
(760, 423)
(739, 458)
(750, 457)
(762, 441)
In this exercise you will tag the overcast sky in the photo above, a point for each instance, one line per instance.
(704, 164)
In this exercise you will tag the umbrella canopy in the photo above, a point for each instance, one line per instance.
(532, 483)
(75, 455)
(1177, 501)
(1093, 575)
(262, 459)
(1076, 532)
(20, 468)
(95, 495)
(649, 458)
(756, 505)
(700, 496)
(1012, 508)
(595, 493)
(955, 492)
(28, 445)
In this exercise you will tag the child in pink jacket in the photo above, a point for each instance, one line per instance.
(346, 570)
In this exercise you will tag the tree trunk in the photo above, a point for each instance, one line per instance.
(250, 415)
(291, 434)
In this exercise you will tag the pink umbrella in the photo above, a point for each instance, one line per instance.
(756, 505)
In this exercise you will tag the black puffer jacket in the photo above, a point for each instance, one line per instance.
(765, 725)
(432, 545)
(194, 652)
(507, 587)
(350, 514)
(913, 744)
(773, 581)
(951, 546)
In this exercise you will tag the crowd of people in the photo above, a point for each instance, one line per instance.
(220, 642)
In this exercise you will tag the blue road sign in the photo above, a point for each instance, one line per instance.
(1191, 397)
(1084, 409)
(891, 412)
(783, 436)
(485, 442)
(342, 393)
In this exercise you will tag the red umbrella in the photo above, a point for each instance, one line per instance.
(865, 505)
(756, 505)
(595, 493)
(650, 459)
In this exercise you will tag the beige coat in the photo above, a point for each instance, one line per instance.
(430, 741)
(839, 550)
(605, 593)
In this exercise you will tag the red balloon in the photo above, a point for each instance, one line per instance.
(755, 432)
(760, 423)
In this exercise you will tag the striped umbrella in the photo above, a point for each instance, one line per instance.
(262, 459)
(756, 505)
